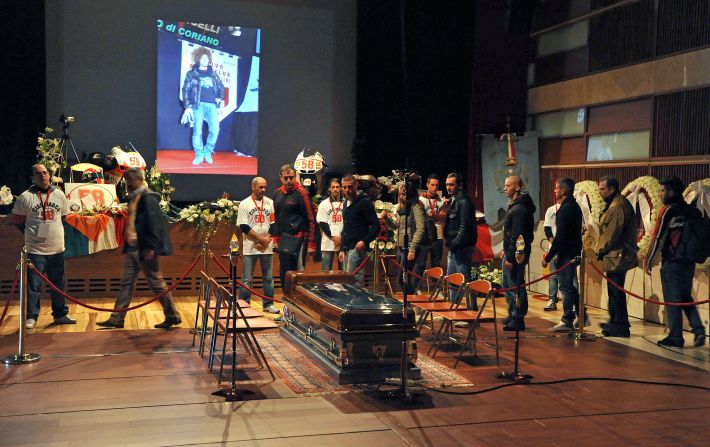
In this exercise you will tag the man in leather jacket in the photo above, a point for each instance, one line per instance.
(460, 231)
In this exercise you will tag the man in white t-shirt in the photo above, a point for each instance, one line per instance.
(39, 213)
(330, 220)
(256, 219)
(435, 210)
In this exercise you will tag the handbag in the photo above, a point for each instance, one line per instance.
(289, 244)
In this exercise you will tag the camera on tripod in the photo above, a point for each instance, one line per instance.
(66, 120)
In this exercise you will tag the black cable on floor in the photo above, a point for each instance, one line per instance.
(572, 379)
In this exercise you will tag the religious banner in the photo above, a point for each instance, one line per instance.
(510, 154)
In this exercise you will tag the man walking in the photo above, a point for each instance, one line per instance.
(39, 213)
(676, 272)
(360, 228)
(256, 217)
(519, 221)
(146, 238)
(566, 245)
(617, 250)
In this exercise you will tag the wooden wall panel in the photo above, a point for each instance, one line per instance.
(687, 173)
(682, 124)
(623, 174)
(633, 115)
(556, 151)
(547, 183)
(682, 25)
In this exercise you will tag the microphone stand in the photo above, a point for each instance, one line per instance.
(515, 375)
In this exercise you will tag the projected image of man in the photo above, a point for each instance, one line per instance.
(203, 94)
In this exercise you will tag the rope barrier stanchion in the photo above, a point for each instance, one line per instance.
(642, 298)
(127, 309)
(579, 334)
(9, 296)
(22, 357)
(261, 296)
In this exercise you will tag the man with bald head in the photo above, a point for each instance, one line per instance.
(256, 219)
(519, 221)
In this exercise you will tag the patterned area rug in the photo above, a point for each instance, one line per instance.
(306, 374)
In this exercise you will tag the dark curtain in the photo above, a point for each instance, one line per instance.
(22, 76)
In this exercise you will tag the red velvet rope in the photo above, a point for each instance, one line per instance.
(9, 297)
(648, 300)
(100, 309)
(509, 289)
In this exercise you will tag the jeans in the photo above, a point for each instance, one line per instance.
(554, 280)
(289, 262)
(248, 264)
(132, 265)
(205, 112)
(327, 263)
(677, 282)
(51, 266)
(423, 253)
(413, 266)
(570, 290)
(513, 277)
(353, 261)
(459, 261)
(618, 314)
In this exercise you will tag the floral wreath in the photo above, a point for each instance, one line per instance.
(206, 216)
(386, 240)
(587, 195)
(646, 192)
(698, 193)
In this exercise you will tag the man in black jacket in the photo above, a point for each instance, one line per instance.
(360, 227)
(518, 221)
(146, 238)
(676, 273)
(460, 230)
(566, 245)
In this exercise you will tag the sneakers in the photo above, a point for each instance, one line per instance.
(30, 323)
(272, 310)
(561, 327)
(208, 157)
(699, 340)
(199, 156)
(587, 323)
(551, 305)
(66, 319)
(169, 322)
(460, 324)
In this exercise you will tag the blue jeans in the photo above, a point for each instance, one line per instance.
(354, 259)
(205, 112)
(553, 281)
(459, 261)
(248, 264)
(52, 266)
(513, 277)
(327, 263)
(677, 282)
(570, 290)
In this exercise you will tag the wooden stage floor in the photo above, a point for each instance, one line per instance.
(141, 386)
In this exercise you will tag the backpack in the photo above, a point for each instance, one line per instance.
(694, 244)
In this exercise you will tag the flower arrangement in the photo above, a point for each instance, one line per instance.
(49, 152)
(207, 215)
(391, 183)
(646, 191)
(698, 189)
(586, 193)
(160, 183)
(487, 272)
(386, 240)
(6, 200)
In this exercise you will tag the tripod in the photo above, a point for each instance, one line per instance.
(66, 141)
(515, 375)
(233, 394)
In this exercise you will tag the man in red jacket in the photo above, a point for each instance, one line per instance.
(294, 216)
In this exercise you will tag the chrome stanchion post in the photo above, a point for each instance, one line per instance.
(376, 269)
(579, 334)
(21, 356)
(205, 256)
